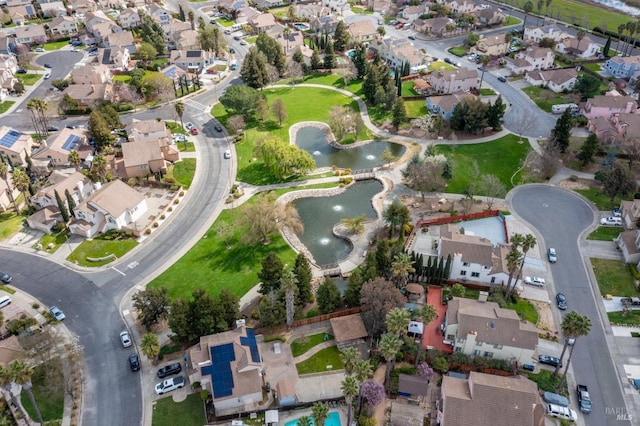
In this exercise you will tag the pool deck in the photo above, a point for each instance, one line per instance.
(287, 416)
(432, 337)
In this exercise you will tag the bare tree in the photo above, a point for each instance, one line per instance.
(279, 110)
(236, 124)
(492, 189)
(548, 162)
(525, 123)
(341, 121)
(631, 148)
(272, 74)
(294, 72)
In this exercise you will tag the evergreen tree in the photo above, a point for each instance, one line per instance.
(254, 69)
(447, 267)
(272, 268)
(302, 271)
(70, 201)
(447, 172)
(272, 51)
(399, 113)
(151, 32)
(440, 273)
(420, 266)
(406, 68)
(607, 46)
(589, 149)
(329, 298)
(359, 59)
(63, 209)
(562, 131)
(315, 60)
(181, 15)
(354, 285)
(495, 114)
(340, 37)
(384, 258)
(370, 84)
(329, 56)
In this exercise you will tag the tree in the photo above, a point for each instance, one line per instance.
(271, 273)
(150, 345)
(424, 176)
(397, 321)
(180, 108)
(21, 183)
(561, 133)
(4, 175)
(491, 187)
(21, 374)
(147, 52)
(341, 121)
(340, 37)
(617, 181)
(254, 69)
(192, 19)
(211, 39)
(304, 420)
(64, 212)
(229, 305)
(98, 169)
(350, 389)
(320, 413)
(587, 85)
(236, 123)
(390, 345)
(272, 310)
(360, 61)
(377, 297)
(399, 113)
(272, 51)
(387, 156)
(302, 270)
(240, 99)
(589, 148)
(349, 356)
(470, 115)
(484, 60)
(152, 305)
(372, 393)
(401, 268)
(151, 32)
(329, 298)
(352, 292)
(284, 160)
(260, 218)
(354, 225)
(329, 56)
(315, 60)
(74, 159)
(425, 314)
(527, 8)
(279, 110)
(495, 114)
(607, 47)
(547, 42)
(288, 283)
(573, 326)
(99, 131)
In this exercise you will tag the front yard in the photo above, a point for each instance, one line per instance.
(100, 248)
(29, 79)
(4, 106)
(189, 412)
(605, 233)
(544, 98)
(614, 278)
(10, 223)
(48, 391)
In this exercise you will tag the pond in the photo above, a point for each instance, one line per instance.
(313, 140)
(320, 214)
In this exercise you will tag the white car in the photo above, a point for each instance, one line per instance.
(611, 221)
(189, 125)
(47, 76)
(57, 313)
(227, 154)
(39, 50)
(536, 281)
(125, 338)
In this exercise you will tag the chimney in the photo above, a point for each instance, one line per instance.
(482, 297)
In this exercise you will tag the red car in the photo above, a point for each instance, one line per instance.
(194, 131)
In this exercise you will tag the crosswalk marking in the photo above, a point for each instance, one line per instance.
(195, 105)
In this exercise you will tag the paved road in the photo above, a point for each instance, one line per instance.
(560, 217)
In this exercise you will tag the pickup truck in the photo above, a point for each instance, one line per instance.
(169, 385)
(583, 398)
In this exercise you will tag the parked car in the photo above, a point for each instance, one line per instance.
(5, 278)
(561, 301)
(169, 370)
(53, 129)
(21, 71)
(134, 362)
(227, 154)
(39, 50)
(528, 367)
(57, 313)
(411, 38)
(630, 301)
(72, 126)
(189, 125)
(551, 255)
(169, 385)
(243, 43)
(218, 128)
(549, 360)
(617, 212)
(194, 131)
(502, 79)
(47, 65)
(232, 50)
(611, 221)
(125, 338)
(536, 281)
(447, 60)
(47, 76)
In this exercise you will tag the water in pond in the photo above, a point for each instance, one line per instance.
(312, 140)
(320, 214)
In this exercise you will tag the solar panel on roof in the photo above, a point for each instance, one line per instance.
(71, 142)
(10, 138)
(171, 72)
(250, 342)
(193, 53)
(220, 369)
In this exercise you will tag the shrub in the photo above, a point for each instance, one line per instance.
(147, 231)
(573, 178)
(634, 271)
(35, 305)
(182, 193)
(132, 182)
(155, 224)
(162, 216)
(125, 107)
(313, 312)
(204, 394)
(169, 179)
(176, 201)
(170, 209)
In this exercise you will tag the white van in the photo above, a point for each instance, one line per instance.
(561, 412)
(4, 301)
(611, 221)
(561, 108)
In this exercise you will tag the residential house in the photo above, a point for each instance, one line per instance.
(228, 365)
(8, 82)
(362, 31)
(186, 40)
(83, 7)
(494, 45)
(230, 8)
(245, 14)
(413, 387)
(115, 205)
(628, 127)
(117, 59)
(10, 3)
(437, 27)
(291, 42)
(627, 67)
(175, 26)
(444, 105)
(63, 26)
(57, 147)
(585, 48)
(450, 81)
(78, 185)
(485, 399)
(53, 9)
(338, 6)
(8, 193)
(129, 18)
(104, 29)
(379, 6)
(7, 43)
(262, 23)
(26, 11)
(536, 33)
(348, 331)
(628, 242)
(141, 159)
(309, 11)
(268, 4)
(14, 146)
(88, 95)
(31, 34)
(489, 16)
(411, 13)
(481, 328)
(630, 211)
(91, 74)
(461, 7)
(156, 131)
(558, 80)
(91, 19)
(192, 60)
(123, 39)
(8, 62)
(160, 15)
(608, 106)
(324, 24)
(397, 51)
(540, 58)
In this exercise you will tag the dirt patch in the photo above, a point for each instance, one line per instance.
(545, 317)
(433, 208)
(577, 184)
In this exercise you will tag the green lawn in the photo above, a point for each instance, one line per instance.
(593, 66)
(459, 50)
(511, 20)
(183, 171)
(10, 223)
(224, 21)
(614, 278)
(415, 108)
(437, 65)
(296, 101)
(56, 239)
(124, 78)
(407, 89)
(602, 201)
(98, 248)
(189, 412)
(525, 310)
(318, 363)
(501, 157)
(605, 233)
(334, 80)
(622, 318)
(29, 79)
(303, 344)
(4, 106)
(361, 10)
(55, 45)
(175, 127)
(50, 399)
(190, 148)
(544, 98)
(485, 91)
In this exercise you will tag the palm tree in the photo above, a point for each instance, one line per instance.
(582, 328)
(150, 345)
(539, 7)
(426, 314)
(21, 373)
(398, 320)
(631, 29)
(74, 159)
(362, 372)
(485, 59)
(179, 106)
(6, 379)
(320, 413)
(192, 18)
(350, 390)
(573, 326)
(4, 175)
(286, 33)
(527, 8)
(389, 345)
(21, 182)
(547, 4)
(526, 243)
(304, 421)
(41, 107)
(401, 268)
(621, 29)
(349, 356)
(33, 109)
(580, 35)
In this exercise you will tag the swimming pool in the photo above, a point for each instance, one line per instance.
(301, 27)
(333, 420)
